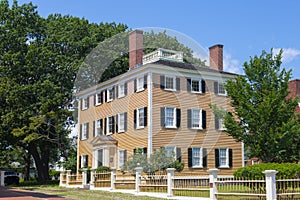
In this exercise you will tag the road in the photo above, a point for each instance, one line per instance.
(17, 194)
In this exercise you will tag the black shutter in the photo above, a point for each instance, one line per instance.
(101, 126)
(134, 119)
(135, 85)
(125, 121)
(189, 119)
(217, 161)
(79, 162)
(230, 158)
(145, 150)
(87, 130)
(105, 126)
(178, 117)
(178, 154)
(188, 84)
(117, 124)
(101, 97)
(116, 91)
(134, 150)
(162, 116)
(87, 161)
(178, 84)
(80, 131)
(113, 124)
(94, 129)
(190, 157)
(88, 102)
(81, 104)
(216, 85)
(203, 86)
(125, 88)
(203, 119)
(145, 82)
(105, 94)
(95, 98)
(162, 82)
(113, 92)
(204, 159)
(145, 116)
(217, 126)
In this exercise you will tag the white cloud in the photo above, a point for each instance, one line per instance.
(288, 55)
(230, 64)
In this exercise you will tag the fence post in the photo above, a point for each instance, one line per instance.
(138, 173)
(61, 175)
(213, 175)
(68, 177)
(170, 181)
(84, 177)
(92, 181)
(2, 178)
(271, 184)
(113, 178)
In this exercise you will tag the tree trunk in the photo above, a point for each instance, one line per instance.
(27, 166)
(41, 162)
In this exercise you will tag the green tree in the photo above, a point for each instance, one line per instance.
(263, 116)
(39, 60)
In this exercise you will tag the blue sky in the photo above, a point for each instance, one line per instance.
(245, 28)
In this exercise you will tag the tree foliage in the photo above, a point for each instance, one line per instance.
(263, 116)
(158, 161)
(39, 60)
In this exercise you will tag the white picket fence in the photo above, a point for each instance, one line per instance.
(212, 186)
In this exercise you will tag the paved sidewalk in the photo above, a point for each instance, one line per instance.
(153, 194)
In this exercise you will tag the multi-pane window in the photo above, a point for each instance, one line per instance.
(121, 122)
(84, 161)
(121, 90)
(223, 157)
(195, 86)
(122, 157)
(140, 121)
(110, 125)
(221, 89)
(98, 127)
(170, 116)
(221, 124)
(140, 84)
(196, 118)
(85, 103)
(110, 94)
(197, 157)
(84, 131)
(171, 151)
(98, 99)
(100, 158)
(170, 83)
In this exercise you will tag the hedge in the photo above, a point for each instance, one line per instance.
(285, 170)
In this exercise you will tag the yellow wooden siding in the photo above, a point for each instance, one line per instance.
(183, 137)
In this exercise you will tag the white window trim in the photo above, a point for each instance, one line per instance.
(107, 126)
(119, 123)
(109, 99)
(222, 94)
(174, 150)
(227, 158)
(82, 161)
(174, 83)
(95, 128)
(174, 117)
(119, 158)
(200, 159)
(84, 131)
(98, 95)
(84, 103)
(200, 86)
(200, 119)
(138, 118)
(121, 94)
(138, 89)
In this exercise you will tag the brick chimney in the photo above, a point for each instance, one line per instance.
(294, 88)
(216, 57)
(135, 48)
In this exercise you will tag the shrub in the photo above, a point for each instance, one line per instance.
(54, 173)
(285, 170)
(103, 169)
